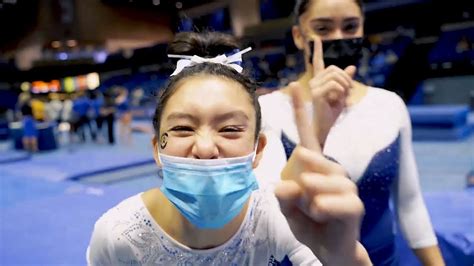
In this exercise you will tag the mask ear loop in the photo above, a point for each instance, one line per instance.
(255, 150)
(159, 157)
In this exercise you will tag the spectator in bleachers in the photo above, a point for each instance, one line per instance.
(367, 130)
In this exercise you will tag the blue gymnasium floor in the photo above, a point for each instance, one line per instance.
(47, 219)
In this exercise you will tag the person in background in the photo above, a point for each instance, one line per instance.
(30, 132)
(124, 115)
(81, 108)
(38, 106)
(137, 96)
(366, 129)
(107, 114)
(54, 108)
(97, 103)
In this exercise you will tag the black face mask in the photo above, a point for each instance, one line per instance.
(341, 52)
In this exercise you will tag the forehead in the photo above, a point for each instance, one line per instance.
(332, 9)
(206, 93)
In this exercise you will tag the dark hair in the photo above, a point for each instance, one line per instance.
(206, 44)
(302, 6)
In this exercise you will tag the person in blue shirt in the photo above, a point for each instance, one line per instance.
(82, 107)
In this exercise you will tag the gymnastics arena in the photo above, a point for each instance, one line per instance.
(79, 82)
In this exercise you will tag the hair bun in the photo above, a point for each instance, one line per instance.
(204, 44)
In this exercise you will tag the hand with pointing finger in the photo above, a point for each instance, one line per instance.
(330, 86)
(319, 201)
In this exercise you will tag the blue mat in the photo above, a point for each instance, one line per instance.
(52, 222)
(84, 161)
(54, 230)
(439, 116)
(17, 189)
(13, 156)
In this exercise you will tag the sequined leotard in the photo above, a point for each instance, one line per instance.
(372, 141)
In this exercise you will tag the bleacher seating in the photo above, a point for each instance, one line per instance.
(450, 46)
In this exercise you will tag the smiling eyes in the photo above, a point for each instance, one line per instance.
(226, 129)
(181, 129)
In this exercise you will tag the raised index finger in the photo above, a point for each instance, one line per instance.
(303, 123)
(318, 58)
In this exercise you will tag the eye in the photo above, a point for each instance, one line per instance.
(231, 129)
(352, 27)
(181, 129)
(321, 30)
(232, 132)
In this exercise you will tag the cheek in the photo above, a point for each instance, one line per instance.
(236, 147)
(175, 146)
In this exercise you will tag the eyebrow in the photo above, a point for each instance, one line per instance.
(330, 20)
(217, 119)
(230, 115)
(179, 115)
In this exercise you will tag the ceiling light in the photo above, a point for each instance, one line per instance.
(71, 43)
(56, 44)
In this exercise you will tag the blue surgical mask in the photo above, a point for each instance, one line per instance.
(209, 193)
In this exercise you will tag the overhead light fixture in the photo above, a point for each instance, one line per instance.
(56, 44)
(156, 2)
(179, 5)
(71, 43)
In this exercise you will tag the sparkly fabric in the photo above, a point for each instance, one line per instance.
(288, 145)
(135, 239)
(374, 186)
(374, 191)
(372, 140)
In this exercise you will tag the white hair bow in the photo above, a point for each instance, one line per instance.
(188, 61)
